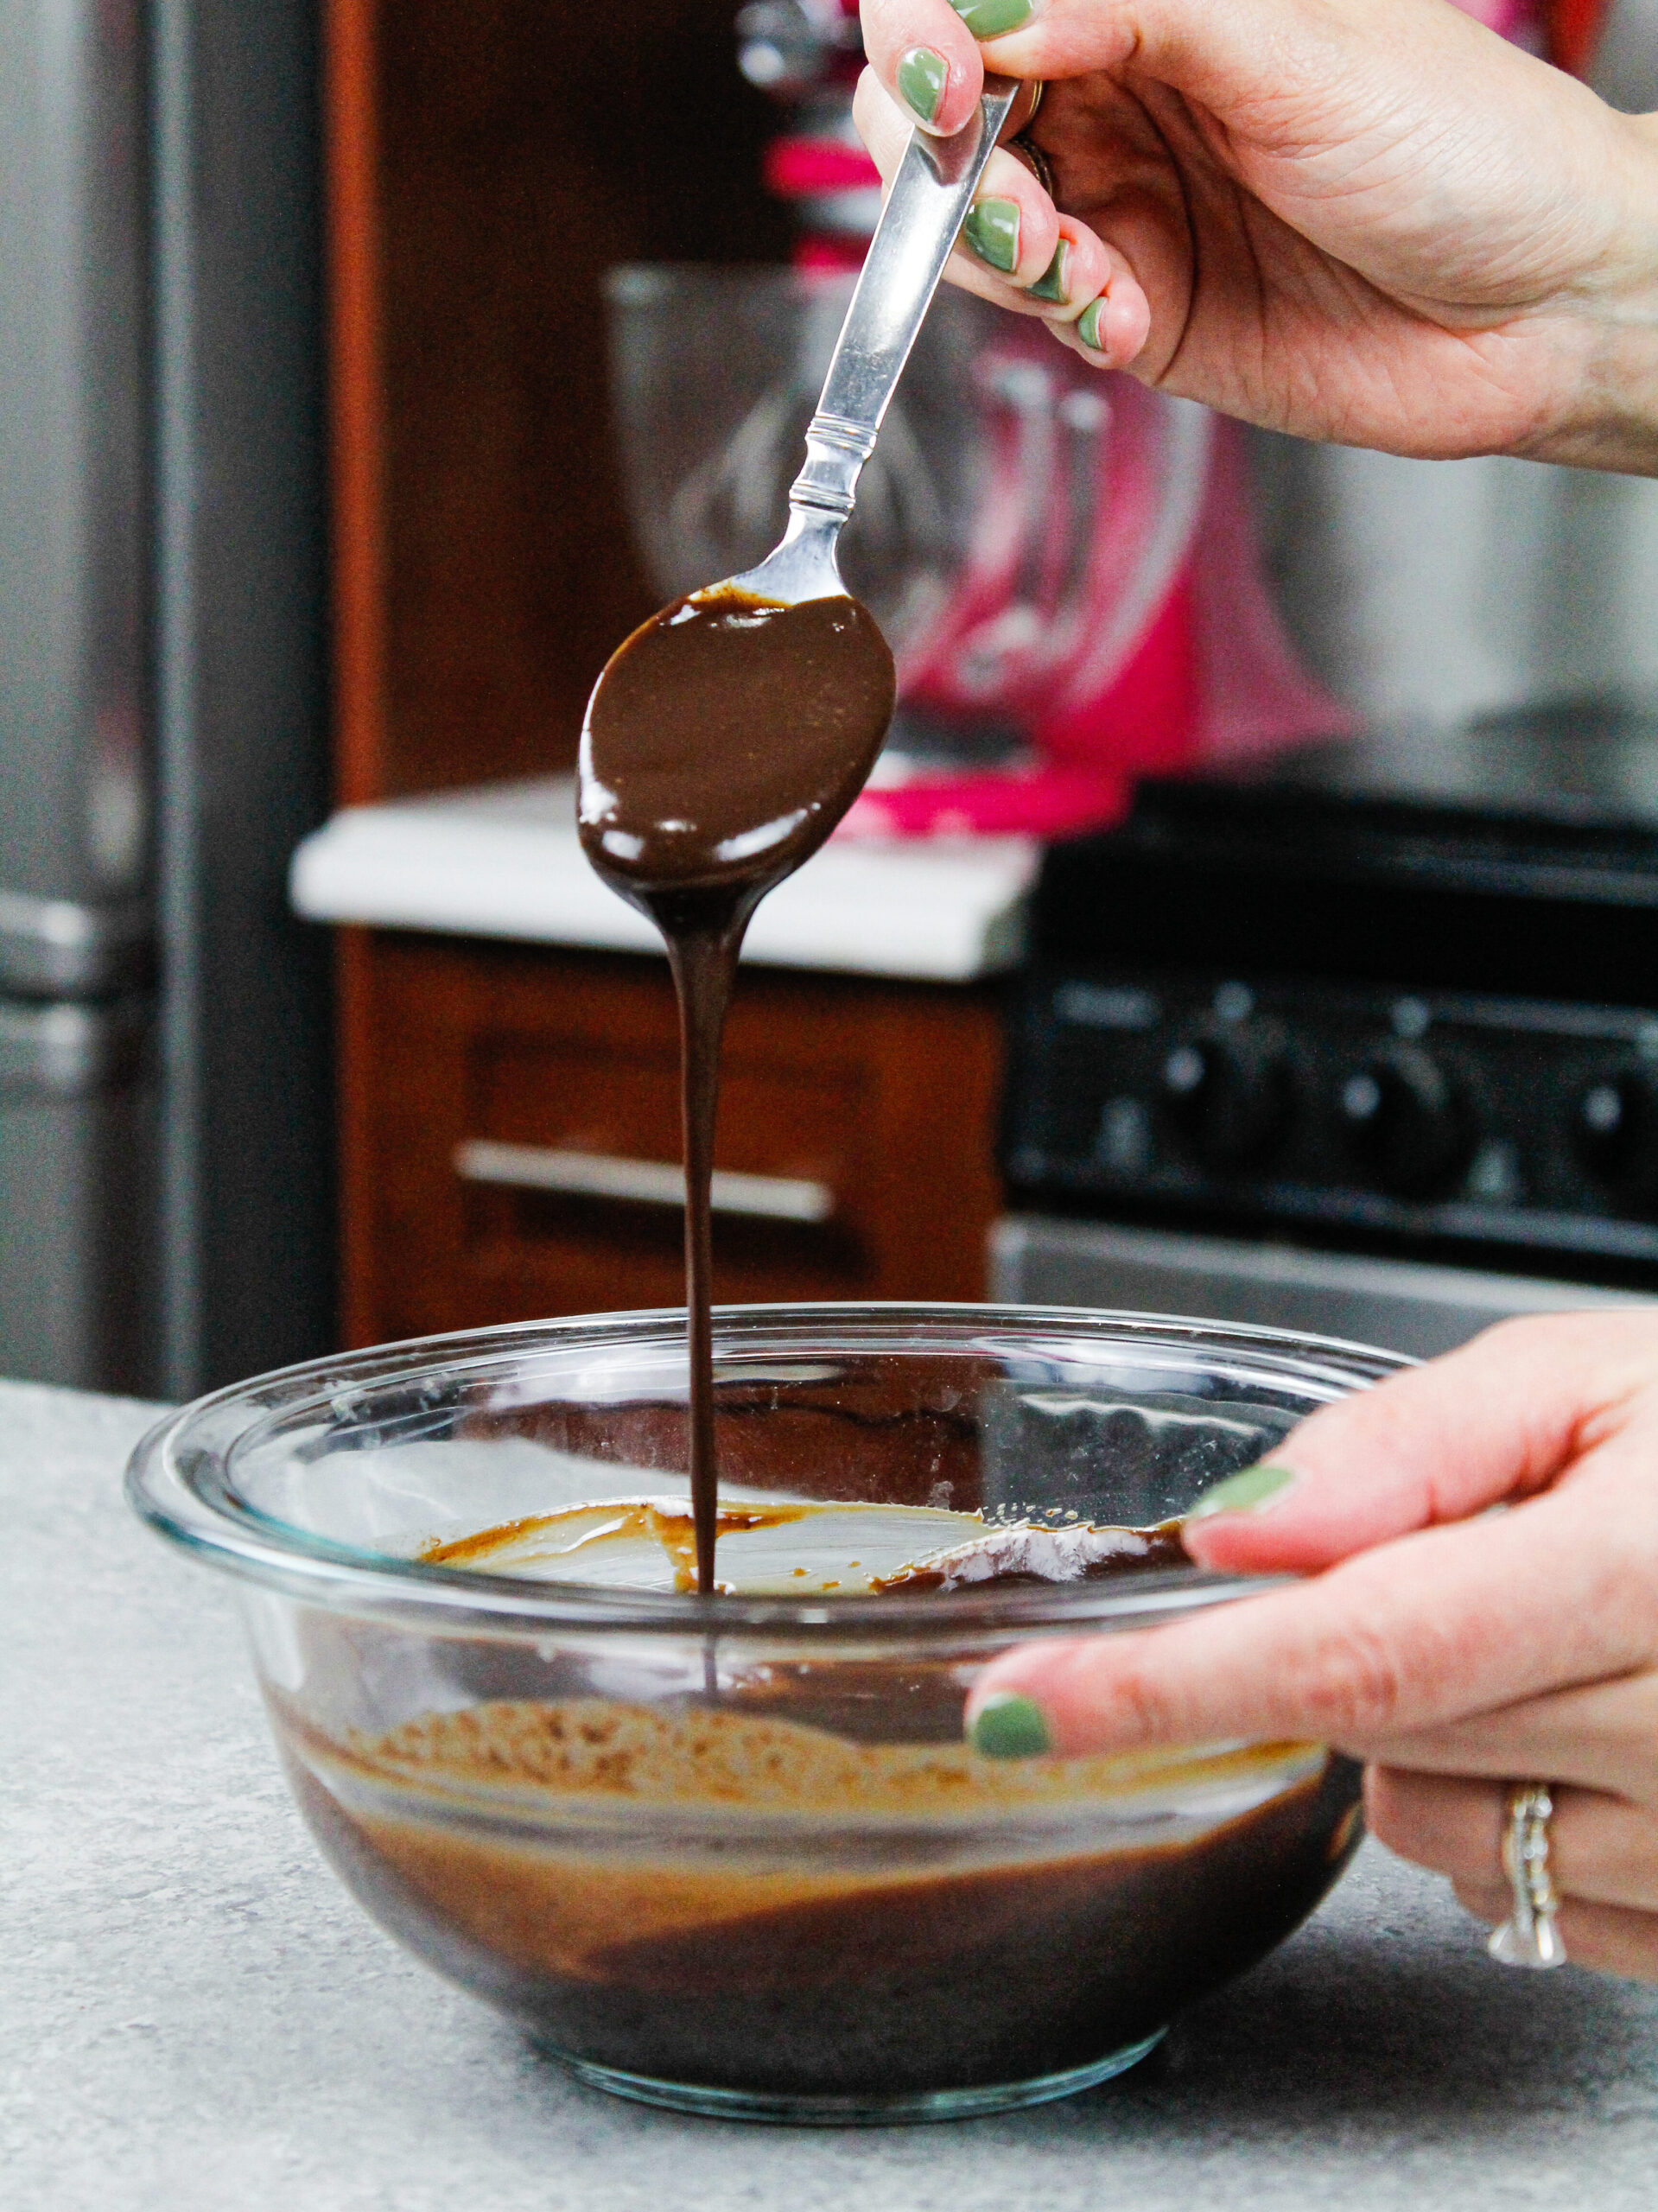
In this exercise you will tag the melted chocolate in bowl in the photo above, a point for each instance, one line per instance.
(741, 1899)
(780, 1883)
(723, 743)
(807, 1887)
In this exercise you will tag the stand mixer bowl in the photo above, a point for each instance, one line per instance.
(1017, 528)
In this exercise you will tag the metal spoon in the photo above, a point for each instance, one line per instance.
(728, 735)
(712, 753)
(925, 209)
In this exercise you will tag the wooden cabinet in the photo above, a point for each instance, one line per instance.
(869, 1104)
(486, 163)
(487, 160)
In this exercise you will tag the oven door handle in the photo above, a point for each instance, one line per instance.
(638, 1182)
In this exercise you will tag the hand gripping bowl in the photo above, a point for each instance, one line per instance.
(732, 1854)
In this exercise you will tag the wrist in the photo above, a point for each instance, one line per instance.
(1605, 409)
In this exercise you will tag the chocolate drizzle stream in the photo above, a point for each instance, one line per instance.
(723, 743)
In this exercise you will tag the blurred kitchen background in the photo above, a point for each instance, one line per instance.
(1256, 911)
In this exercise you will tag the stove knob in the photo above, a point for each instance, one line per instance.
(1615, 1122)
(1404, 1120)
(1224, 1090)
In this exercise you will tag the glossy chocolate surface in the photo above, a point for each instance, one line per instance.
(724, 741)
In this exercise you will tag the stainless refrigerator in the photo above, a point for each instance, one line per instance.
(163, 1097)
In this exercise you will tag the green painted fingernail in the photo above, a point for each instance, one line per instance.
(1244, 1493)
(1088, 324)
(1010, 1727)
(1050, 284)
(991, 231)
(922, 77)
(992, 18)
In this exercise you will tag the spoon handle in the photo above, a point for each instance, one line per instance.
(931, 195)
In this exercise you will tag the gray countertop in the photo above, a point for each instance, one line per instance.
(192, 2013)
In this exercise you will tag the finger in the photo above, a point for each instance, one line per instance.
(931, 55)
(1491, 1901)
(1254, 55)
(1012, 228)
(1450, 1825)
(1089, 297)
(1416, 1634)
(1112, 330)
(882, 124)
(1603, 1736)
(926, 59)
(1610, 1938)
(1601, 1850)
(1083, 288)
(1019, 38)
(1227, 51)
(1496, 1421)
(1081, 268)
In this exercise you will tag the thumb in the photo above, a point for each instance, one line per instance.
(1496, 1422)
(925, 55)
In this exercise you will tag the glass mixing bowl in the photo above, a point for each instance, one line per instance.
(731, 1854)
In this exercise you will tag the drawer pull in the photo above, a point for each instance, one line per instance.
(638, 1182)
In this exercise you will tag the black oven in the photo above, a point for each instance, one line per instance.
(1367, 1044)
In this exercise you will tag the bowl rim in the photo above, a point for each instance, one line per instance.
(175, 1477)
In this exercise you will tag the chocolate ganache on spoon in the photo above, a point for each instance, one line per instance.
(728, 737)
(724, 742)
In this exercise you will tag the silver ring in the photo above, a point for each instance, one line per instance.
(1529, 1937)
